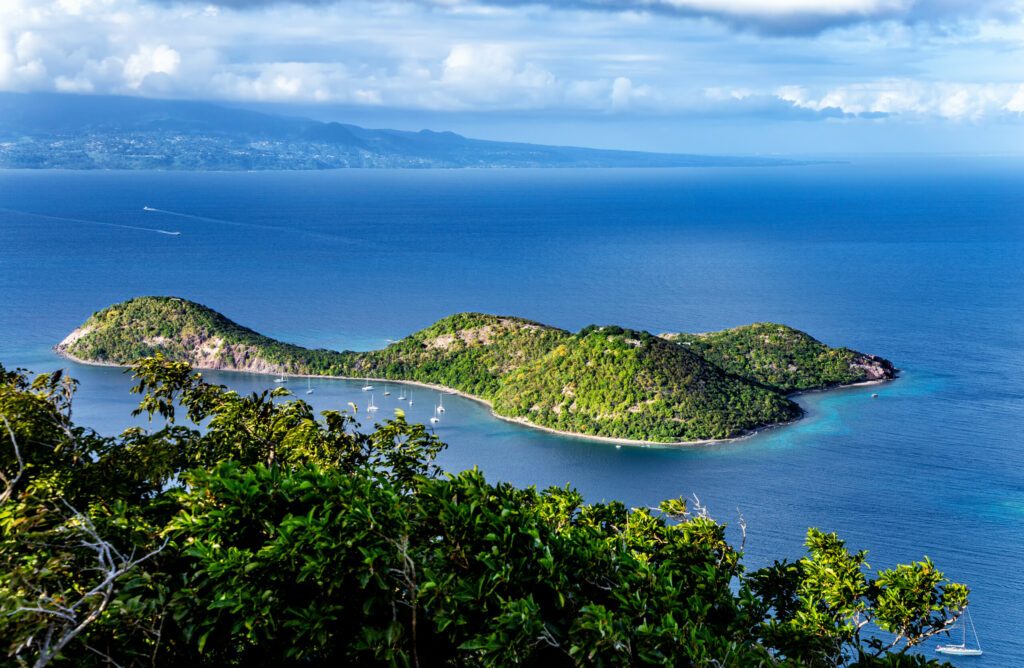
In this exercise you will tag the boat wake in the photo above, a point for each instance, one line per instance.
(275, 228)
(154, 230)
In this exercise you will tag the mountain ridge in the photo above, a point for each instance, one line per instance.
(64, 131)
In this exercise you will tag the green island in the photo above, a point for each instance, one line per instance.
(600, 382)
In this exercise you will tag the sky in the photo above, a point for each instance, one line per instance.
(806, 77)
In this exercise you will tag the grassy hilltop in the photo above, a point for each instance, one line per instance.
(601, 381)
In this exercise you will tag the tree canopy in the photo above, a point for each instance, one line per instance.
(274, 536)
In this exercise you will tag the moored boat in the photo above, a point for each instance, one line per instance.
(962, 649)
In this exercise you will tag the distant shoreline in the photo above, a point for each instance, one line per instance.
(522, 421)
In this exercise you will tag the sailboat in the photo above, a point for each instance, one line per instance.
(309, 386)
(281, 378)
(435, 419)
(367, 387)
(387, 392)
(410, 397)
(440, 403)
(401, 394)
(962, 649)
(372, 408)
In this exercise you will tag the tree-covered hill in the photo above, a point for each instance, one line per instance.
(469, 352)
(601, 381)
(182, 330)
(610, 381)
(784, 358)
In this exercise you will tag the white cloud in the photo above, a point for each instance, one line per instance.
(788, 7)
(493, 73)
(78, 84)
(625, 94)
(401, 54)
(158, 59)
(1016, 103)
(955, 101)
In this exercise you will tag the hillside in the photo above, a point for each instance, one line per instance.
(45, 130)
(188, 332)
(784, 358)
(469, 352)
(615, 382)
(602, 381)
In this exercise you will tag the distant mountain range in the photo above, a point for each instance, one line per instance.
(46, 130)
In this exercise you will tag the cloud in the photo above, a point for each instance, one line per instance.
(953, 101)
(22, 64)
(428, 55)
(474, 74)
(149, 60)
(1016, 103)
(780, 17)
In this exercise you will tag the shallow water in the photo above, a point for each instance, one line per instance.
(920, 263)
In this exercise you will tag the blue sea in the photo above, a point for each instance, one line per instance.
(921, 262)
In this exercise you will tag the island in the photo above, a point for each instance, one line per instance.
(65, 131)
(600, 382)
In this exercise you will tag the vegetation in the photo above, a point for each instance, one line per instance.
(276, 537)
(784, 358)
(623, 383)
(601, 381)
(470, 352)
(185, 331)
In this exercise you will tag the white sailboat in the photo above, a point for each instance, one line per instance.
(410, 397)
(387, 392)
(309, 386)
(962, 649)
(372, 408)
(280, 378)
(367, 387)
(435, 419)
(401, 394)
(440, 403)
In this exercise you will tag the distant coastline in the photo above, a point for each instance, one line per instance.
(96, 132)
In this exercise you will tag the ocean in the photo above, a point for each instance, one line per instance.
(918, 261)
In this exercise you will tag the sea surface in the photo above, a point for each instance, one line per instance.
(921, 262)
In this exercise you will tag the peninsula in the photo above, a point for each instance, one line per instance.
(604, 382)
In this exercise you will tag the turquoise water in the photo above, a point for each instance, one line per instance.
(921, 263)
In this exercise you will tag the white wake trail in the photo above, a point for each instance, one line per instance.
(154, 230)
(262, 226)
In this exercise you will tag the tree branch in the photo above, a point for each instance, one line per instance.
(10, 484)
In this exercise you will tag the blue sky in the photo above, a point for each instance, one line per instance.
(750, 76)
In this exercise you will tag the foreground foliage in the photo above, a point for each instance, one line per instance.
(601, 381)
(278, 537)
